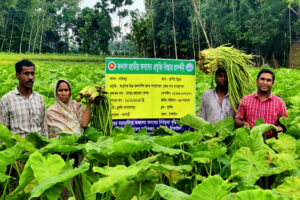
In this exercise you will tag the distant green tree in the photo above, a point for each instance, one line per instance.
(139, 34)
(260, 27)
(94, 29)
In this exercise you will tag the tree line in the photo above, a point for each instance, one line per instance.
(167, 29)
(181, 28)
(61, 26)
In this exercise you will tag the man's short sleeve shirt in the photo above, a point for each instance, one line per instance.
(252, 108)
(211, 109)
(23, 115)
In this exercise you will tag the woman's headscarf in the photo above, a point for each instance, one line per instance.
(64, 116)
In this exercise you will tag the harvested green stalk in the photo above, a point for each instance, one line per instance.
(101, 117)
(235, 63)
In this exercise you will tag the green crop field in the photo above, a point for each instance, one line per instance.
(211, 162)
(80, 71)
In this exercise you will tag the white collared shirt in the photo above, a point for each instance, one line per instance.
(211, 109)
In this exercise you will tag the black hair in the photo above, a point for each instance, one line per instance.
(19, 65)
(266, 71)
(220, 70)
(62, 81)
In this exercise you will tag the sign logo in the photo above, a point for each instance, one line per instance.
(189, 67)
(111, 66)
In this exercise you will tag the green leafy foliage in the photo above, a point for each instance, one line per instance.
(249, 166)
(290, 187)
(130, 165)
(65, 174)
(135, 189)
(170, 193)
(212, 188)
(115, 176)
(255, 194)
(9, 156)
(284, 144)
(6, 136)
(252, 139)
(206, 162)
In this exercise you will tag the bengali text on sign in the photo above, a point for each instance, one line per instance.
(150, 92)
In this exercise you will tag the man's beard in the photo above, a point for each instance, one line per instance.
(223, 87)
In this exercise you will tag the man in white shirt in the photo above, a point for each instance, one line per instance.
(215, 103)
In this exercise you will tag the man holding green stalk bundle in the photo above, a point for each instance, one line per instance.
(215, 103)
(232, 85)
(262, 104)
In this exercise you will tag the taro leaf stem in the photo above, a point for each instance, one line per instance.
(4, 191)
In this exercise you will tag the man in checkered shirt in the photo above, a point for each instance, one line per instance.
(262, 104)
(22, 110)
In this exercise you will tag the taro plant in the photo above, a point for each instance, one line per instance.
(208, 162)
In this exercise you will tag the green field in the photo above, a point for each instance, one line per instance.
(79, 70)
(212, 162)
(7, 57)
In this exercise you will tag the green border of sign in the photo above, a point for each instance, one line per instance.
(149, 66)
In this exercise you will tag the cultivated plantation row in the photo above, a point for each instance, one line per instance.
(206, 162)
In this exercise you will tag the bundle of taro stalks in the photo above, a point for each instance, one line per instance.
(101, 116)
(235, 63)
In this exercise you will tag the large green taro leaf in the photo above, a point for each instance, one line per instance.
(292, 124)
(284, 144)
(282, 162)
(257, 194)
(126, 130)
(252, 139)
(9, 156)
(116, 176)
(213, 152)
(107, 147)
(197, 123)
(242, 137)
(45, 167)
(167, 150)
(95, 150)
(127, 147)
(6, 136)
(37, 140)
(4, 177)
(28, 146)
(164, 130)
(212, 188)
(170, 193)
(67, 143)
(256, 137)
(65, 174)
(37, 169)
(290, 187)
(103, 142)
(135, 190)
(53, 193)
(249, 166)
(163, 167)
(225, 127)
(177, 139)
(41, 168)
(92, 134)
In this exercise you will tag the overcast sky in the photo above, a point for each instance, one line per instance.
(137, 4)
